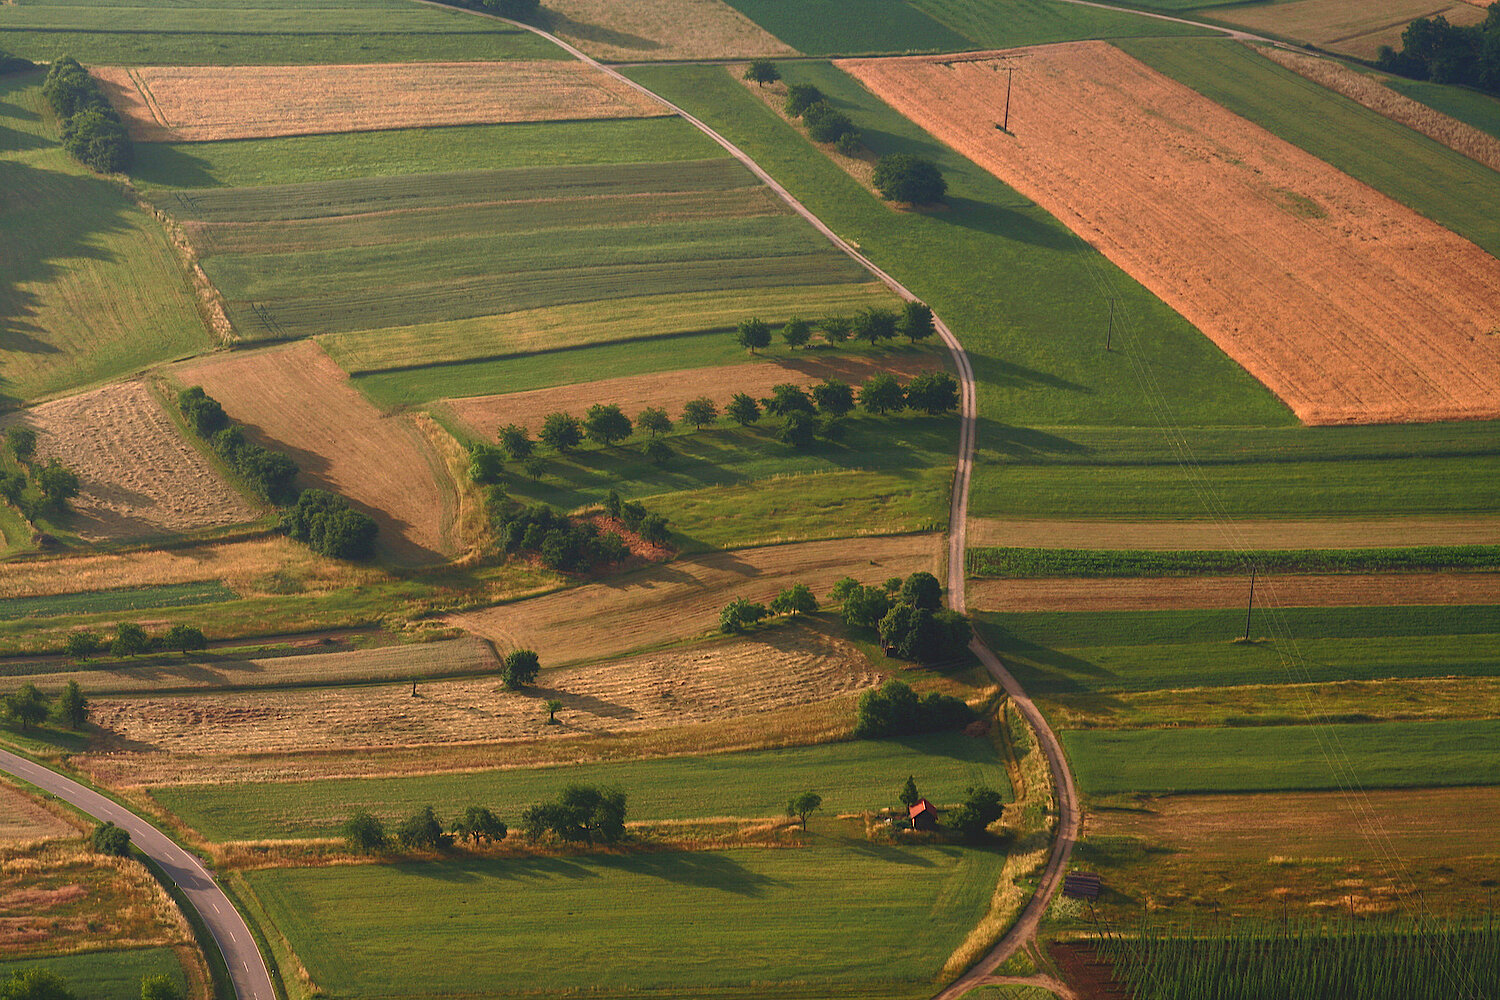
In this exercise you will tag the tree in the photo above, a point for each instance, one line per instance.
(606, 424)
(825, 123)
(364, 833)
(516, 442)
(486, 464)
(864, 607)
(22, 442)
(478, 824)
(800, 97)
(787, 398)
(130, 640)
(850, 144)
(798, 429)
(72, 706)
(553, 707)
(922, 590)
(536, 467)
(933, 393)
(185, 639)
(110, 839)
(916, 322)
(581, 813)
(909, 794)
(28, 706)
(842, 588)
(882, 394)
(329, 526)
(895, 710)
(739, 614)
(836, 329)
(35, 983)
(700, 412)
(797, 332)
(516, 10)
(795, 600)
(804, 805)
(159, 987)
(422, 830)
(58, 484)
(657, 451)
(655, 420)
(833, 397)
(874, 324)
(653, 528)
(561, 432)
(762, 71)
(613, 504)
(908, 178)
(521, 668)
(893, 585)
(81, 645)
(753, 334)
(743, 409)
(981, 807)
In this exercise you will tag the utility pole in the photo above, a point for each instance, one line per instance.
(1009, 74)
(1109, 335)
(1249, 606)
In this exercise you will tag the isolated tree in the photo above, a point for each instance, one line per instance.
(364, 833)
(58, 484)
(110, 839)
(81, 645)
(516, 442)
(916, 322)
(185, 639)
(553, 707)
(833, 397)
(981, 807)
(606, 424)
(159, 987)
(933, 393)
(908, 178)
(536, 467)
(657, 452)
(753, 334)
(521, 668)
(800, 97)
(700, 412)
(795, 600)
(486, 464)
(804, 805)
(561, 432)
(762, 71)
(22, 442)
(922, 590)
(655, 420)
(909, 794)
(739, 614)
(874, 324)
(798, 429)
(743, 409)
(422, 830)
(28, 706)
(478, 824)
(836, 329)
(882, 394)
(130, 639)
(797, 332)
(72, 706)
(35, 983)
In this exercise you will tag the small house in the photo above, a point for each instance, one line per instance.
(923, 815)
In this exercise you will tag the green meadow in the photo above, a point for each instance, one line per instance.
(105, 975)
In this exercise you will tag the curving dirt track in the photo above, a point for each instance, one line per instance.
(295, 399)
(672, 390)
(1346, 304)
(138, 476)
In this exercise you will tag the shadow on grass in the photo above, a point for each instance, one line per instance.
(702, 869)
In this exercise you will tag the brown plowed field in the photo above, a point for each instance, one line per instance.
(1178, 536)
(296, 400)
(661, 29)
(137, 475)
(1347, 305)
(671, 390)
(682, 599)
(23, 821)
(205, 103)
(1161, 593)
(796, 666)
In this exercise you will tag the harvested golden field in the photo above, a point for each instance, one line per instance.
(1291, 591)
(1367, 90)
(1347, 305)
(207, 103)
(139, 478)
(23, 820)
(1179, 536)
(784, 668)
(296, 400)
(682, 599)
(1353, 27)
(662, 29)
(485, 415)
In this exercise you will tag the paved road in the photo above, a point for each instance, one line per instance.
(246, 969)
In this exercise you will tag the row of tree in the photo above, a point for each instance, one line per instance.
(580, 814)
(872, 324)
(53, 484)
(92, 131)
(1433, 49)
(131, 639)
(28, 707)
(323, 521)
(740, 614)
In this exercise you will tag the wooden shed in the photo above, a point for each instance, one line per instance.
(923, 815)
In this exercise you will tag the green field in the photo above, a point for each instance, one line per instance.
(105, 975)
(849, 776)
(232, 32)
(1469, 106)
(89, 288)
(655, 924)
(171, 595)
(1021, 563)
(1286, 758)
(1001, 24)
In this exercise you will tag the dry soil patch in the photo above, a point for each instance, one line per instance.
(205, 103)
(138, 476)
(1178, 536)
(672, 390)
(631, 30)
(296, 400)
(1346, 304)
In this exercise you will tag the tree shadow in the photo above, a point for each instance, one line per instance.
(559, 23)
(171, 166)
(702, 869)
(1024, 442)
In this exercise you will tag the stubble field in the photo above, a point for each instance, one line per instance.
(1315, 286)
(663, 29)
(23, 821)
(1352, 27)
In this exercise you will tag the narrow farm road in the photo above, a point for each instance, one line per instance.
(247, 970)
(1070, 819)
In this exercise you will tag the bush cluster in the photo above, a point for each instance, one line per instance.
(1433, 49)
(581, 814)
(326, 523)
(422, 831)
(908, 615)
(561, 542)
(895, 710)
(824, 122)
(908, 178)
(92, 131)
(53, 484)
(739, 614)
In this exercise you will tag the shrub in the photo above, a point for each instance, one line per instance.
(800, 97)
(738, 615)
(653, 528)
(159, 987)
(364, 833)
(22, 442)
(328, 526)
(908, 178)
(849, 144)
(422, 830)
(110, 839)
(521, 668)
(35, 983)
(486, 464)
(825, 123)
(895, 710)
(130, 640)
(202, 412)
(981, 807)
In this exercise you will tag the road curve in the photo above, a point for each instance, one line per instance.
(1070, 816)
(247, 970)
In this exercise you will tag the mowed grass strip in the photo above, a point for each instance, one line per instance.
(1003, 24)
(825, 27)
(790, 910)
(1028, 562)
(170, 595)
(1286, 758)
(849, 776)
